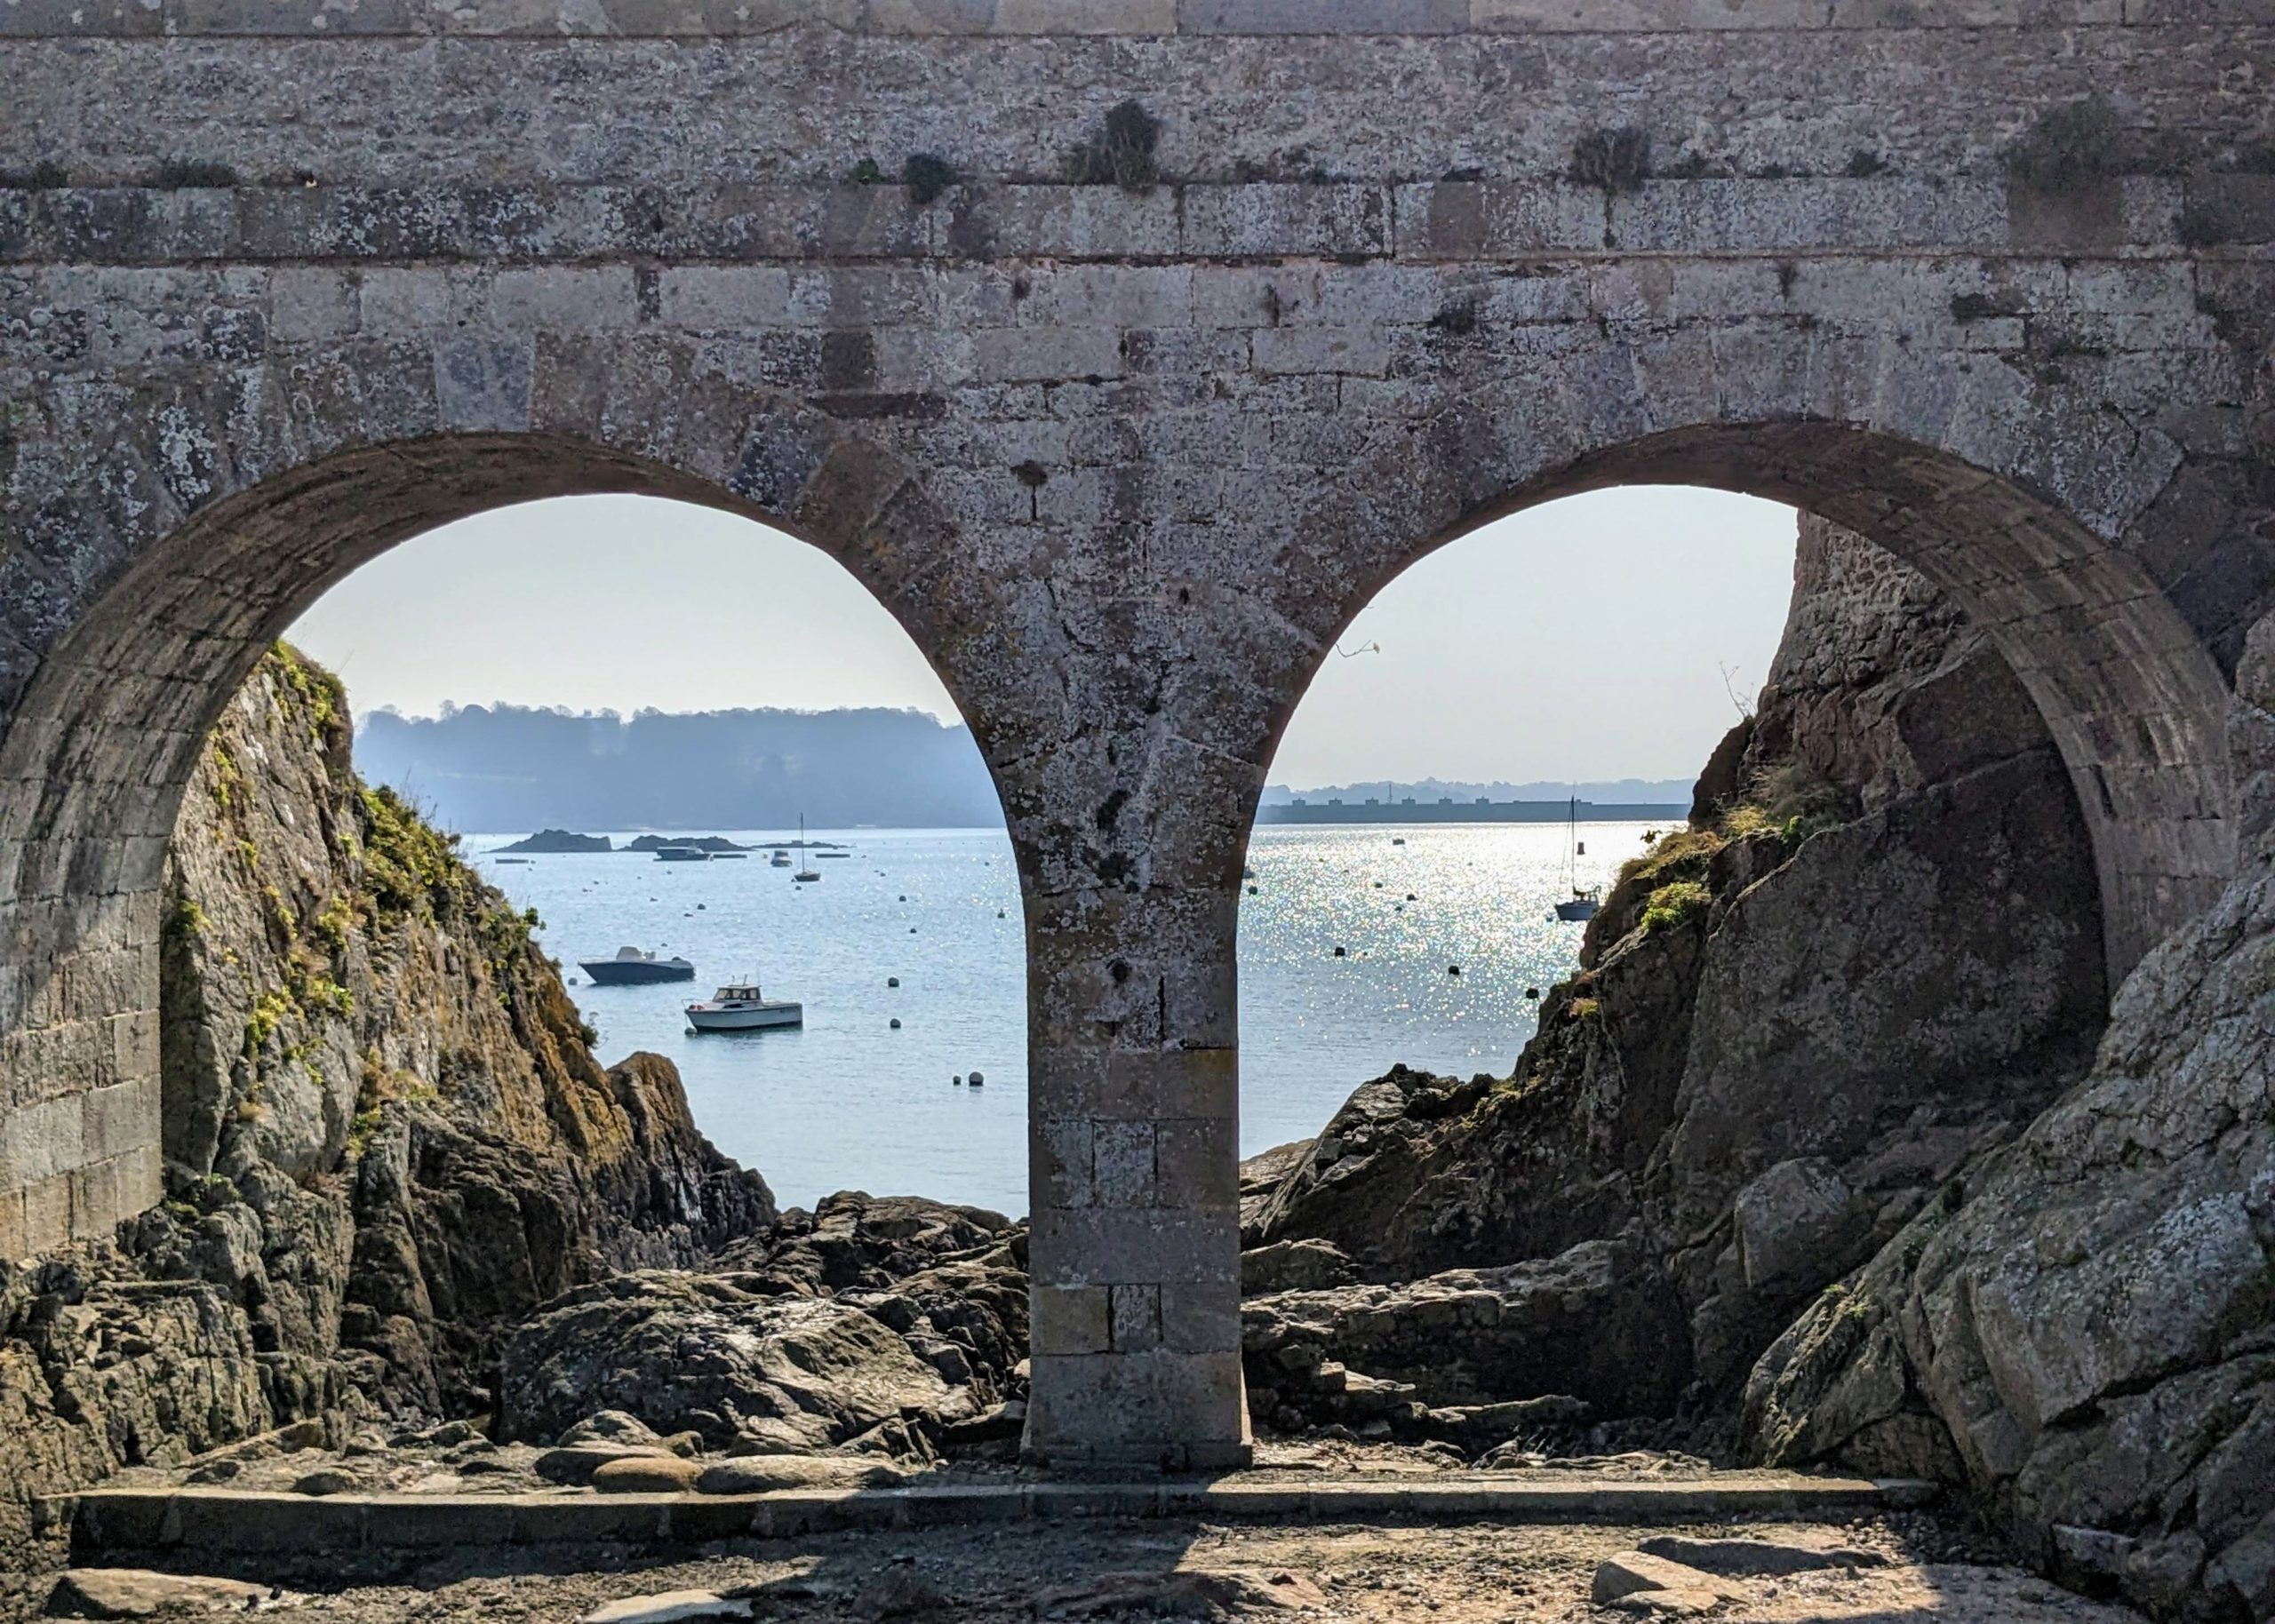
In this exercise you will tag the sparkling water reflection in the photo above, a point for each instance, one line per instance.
(849, 1101)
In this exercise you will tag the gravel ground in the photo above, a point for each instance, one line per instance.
(1472, 1574)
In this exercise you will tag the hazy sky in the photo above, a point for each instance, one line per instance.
(1581, 640)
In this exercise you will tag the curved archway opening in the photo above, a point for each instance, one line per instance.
(106, 737)
(1745, 1033)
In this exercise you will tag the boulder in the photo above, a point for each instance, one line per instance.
(575, 1465)
(1598, 1321)
(137, 1592)
(1295, 1265)
(657, 1474)
(766, 1474)
(701, 1353)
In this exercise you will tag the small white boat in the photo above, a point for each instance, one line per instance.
(741, 1007)
(780, 859)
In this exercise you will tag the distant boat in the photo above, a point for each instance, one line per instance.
(804, 876)
(780, 859)
(681, 854)
(632, 967)
(742, 1007)
(1584, 899)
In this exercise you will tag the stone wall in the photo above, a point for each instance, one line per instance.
(1208, 319)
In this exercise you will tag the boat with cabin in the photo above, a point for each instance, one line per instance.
(632, 967)
(681, 854)
(740, 1006)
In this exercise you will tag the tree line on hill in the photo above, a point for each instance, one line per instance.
(505, 768)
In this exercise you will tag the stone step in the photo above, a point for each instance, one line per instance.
(220, 1522)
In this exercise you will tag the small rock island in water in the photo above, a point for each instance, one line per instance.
(560, 841)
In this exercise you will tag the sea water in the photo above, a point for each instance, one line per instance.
(849, 1101)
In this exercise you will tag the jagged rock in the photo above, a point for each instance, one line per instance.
(1791, 1217)
(612, 1427)
(2082, 1328)
(1598, 1318)
(137, 1592)
(1295, 1265)
(386, 1135)
(701, 1353)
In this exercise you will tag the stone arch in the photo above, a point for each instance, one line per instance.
(2128, 688)
(211, 522)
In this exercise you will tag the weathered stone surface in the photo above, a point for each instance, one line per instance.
(1193, 1592)
(669, 1607)
(137, 1593)
(1121, 428)
(764, 1474)
(699, 1353)
(645, 1475)
(1635, 1571)
(2081, 1328)
(1596, 1321)
(1799, 1552)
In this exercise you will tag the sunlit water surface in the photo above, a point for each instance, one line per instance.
(847, 1102)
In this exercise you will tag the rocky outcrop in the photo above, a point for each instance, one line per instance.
(1594, 1323)
(2083, 1328)
(386, 1133)
(1875, 954)
(895, 1325)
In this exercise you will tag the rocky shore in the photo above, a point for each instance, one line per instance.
(1836, 1152)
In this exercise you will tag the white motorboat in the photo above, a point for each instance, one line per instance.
(780, 859)
(742, 1007)
(1584, 899)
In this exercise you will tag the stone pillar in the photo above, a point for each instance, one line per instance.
(1133, 1181)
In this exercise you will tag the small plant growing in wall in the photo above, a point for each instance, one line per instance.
(1613, 160)
(2070, 149)
(1120, 153)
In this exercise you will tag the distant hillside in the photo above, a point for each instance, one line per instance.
(509, 768)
